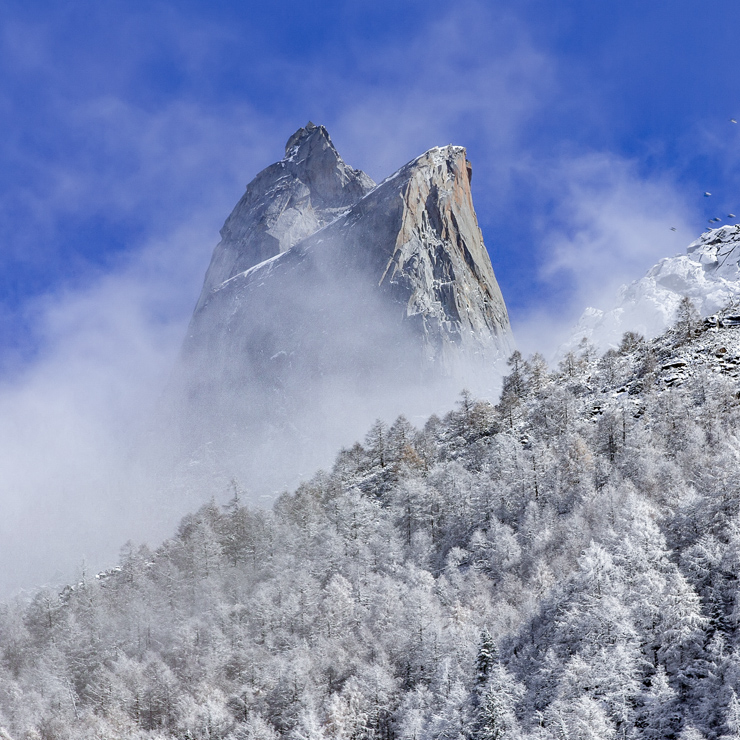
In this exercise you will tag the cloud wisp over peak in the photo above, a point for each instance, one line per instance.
(131, 131)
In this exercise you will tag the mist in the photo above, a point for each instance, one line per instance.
(70, 420)
(107, 439)
(87, 464)
(610, 225)
(78, 410)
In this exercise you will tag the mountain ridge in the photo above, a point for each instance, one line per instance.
(477, 306)
(371, 297)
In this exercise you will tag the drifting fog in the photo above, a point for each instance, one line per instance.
(96, 455)
(84, 468)
(74, 419)
(71, 420)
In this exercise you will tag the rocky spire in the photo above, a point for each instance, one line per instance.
(438, 261)
(411, 247)
(312, 159)
(286, 202)
(330, 303)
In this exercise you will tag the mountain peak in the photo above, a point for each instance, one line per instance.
(310, 134)
(330, 302)
(285, 203)
(312, 158)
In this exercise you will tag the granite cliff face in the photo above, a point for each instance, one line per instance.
(331, 301)
(439, 263)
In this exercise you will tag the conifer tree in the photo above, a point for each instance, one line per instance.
(487, 657)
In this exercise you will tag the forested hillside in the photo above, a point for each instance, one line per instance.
(561, 565)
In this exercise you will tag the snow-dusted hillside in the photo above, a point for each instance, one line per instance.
(708, 274)
(563, 565)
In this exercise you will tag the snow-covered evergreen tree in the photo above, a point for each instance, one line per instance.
(564, 564)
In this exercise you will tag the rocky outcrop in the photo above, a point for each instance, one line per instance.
(330, 301)
(439, 261)
(286, 202)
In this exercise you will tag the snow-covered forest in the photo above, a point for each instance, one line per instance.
(563, 564)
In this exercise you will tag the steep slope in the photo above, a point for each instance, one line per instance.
(561, 565)
(326, 294)
(708, 274)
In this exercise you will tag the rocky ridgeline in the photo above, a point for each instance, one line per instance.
(330, 298)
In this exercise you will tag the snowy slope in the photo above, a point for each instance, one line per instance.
(561, 565)
(708, 274)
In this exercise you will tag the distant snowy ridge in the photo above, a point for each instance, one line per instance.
(708, 274)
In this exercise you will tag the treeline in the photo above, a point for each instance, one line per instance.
(563, 564)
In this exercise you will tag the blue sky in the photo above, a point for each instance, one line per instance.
(127, 122)
(130, 129)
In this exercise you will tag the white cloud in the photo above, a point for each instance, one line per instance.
(70, 422)
(613, 223)
(610, 224)
(66, 423)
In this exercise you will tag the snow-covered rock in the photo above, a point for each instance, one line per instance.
(284, 203)
(330, 301)
(708, 273)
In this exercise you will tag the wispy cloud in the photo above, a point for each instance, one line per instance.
(472, 77)
(608, 225)
(71, 421)
(611, 224)
(160, 175)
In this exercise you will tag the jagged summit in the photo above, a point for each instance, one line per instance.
(310, 157)
(708, 273)
(413, 239)
(331, 301)
(284, 203)
(718, 251)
